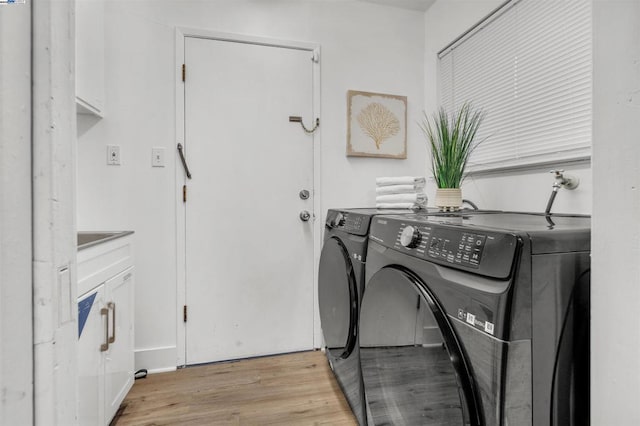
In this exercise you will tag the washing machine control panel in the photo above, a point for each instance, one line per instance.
(484, 252)
(463, 248)
(448, 245)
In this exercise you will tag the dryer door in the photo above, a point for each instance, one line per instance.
(338, 299)
(413, 368)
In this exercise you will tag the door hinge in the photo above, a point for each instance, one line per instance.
(184, 193)
(184, 313)
(184, 72)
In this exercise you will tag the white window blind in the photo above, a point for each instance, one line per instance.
(528, 66)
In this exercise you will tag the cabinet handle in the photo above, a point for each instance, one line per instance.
(112, 306)
(105, 346)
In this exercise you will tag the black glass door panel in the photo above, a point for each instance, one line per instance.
(338, 299)
(413, 369)
(570, 399)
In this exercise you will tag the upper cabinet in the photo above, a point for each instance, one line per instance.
(90, 93)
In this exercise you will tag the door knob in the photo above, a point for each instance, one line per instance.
(304, 194)
(305, 216)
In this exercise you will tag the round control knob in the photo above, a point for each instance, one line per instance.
(410, 237)
(338, 220)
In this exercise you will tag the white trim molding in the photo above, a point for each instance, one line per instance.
(54, 209)
(156, 360)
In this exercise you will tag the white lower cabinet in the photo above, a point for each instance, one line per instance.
(105, 349)
(105, 345)
(119, 357)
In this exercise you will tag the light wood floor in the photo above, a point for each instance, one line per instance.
(292, 389)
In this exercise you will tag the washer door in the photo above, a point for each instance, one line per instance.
(338, 299)
(413, 366)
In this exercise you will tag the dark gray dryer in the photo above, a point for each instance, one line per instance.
(340, 288)
(476, 319)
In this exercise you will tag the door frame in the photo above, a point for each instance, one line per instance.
(314, 50)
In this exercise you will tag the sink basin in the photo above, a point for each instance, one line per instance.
(90, 238)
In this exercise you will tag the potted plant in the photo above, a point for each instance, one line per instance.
(452, 139)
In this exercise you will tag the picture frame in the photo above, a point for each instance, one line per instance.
(376, 125)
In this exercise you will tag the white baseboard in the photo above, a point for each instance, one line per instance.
(156, 360)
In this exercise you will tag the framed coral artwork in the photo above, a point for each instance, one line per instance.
(376, 125)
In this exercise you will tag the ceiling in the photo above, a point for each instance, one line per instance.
(421, 5)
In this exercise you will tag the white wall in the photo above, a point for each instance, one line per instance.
(363, 47)
(16, 324)
(524, 190)
(615, 289)
(529, 190)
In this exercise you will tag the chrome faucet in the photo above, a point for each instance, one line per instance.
(568, 181)
(561, 181)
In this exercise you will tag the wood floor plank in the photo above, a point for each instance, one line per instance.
(291, 389)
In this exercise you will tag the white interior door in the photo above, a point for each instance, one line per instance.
(249, 257)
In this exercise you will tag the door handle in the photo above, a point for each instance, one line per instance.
(184, 161)
(112, 305)
(305, 216)
(105, 346)
(304, 194)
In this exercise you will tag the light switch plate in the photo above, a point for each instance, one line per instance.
(113, 155)
(157, 157)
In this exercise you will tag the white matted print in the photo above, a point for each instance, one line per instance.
(376, 125)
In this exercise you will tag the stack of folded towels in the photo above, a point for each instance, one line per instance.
(402, 192)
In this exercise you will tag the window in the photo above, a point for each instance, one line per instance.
(529, 66)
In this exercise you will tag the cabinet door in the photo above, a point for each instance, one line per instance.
(92, 325)
(90, 56)
(119, 360)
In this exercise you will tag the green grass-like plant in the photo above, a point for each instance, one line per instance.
(452, 140)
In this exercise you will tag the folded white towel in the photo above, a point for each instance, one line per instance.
(412, 206)
(399, 189)
(400, 180)
(419, 198)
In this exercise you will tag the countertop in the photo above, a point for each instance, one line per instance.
(88, 239)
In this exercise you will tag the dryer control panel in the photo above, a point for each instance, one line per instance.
(480, 251)
(348, 221)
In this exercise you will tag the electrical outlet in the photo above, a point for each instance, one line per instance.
(157, 157)
(113, 155)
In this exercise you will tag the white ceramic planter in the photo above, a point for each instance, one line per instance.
(448, 199)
